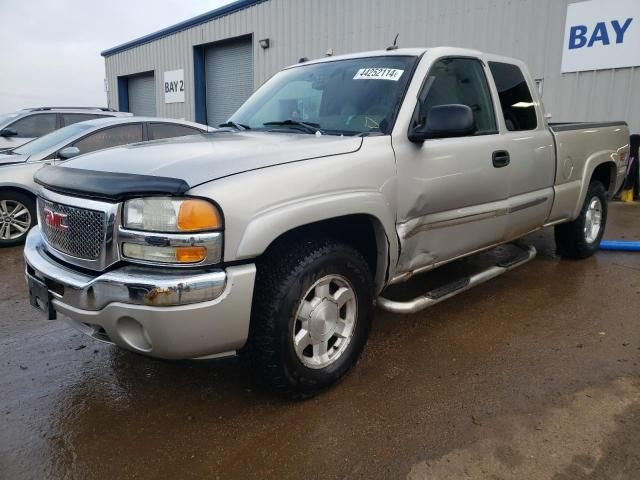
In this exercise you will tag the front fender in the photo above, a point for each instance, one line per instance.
(261, 205)
(265, 228)
(19, 177)
(18, 186)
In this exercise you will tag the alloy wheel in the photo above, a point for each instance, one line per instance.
(325, 322)
(15, 219)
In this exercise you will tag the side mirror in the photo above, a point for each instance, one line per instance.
(68, 152)
(445, 121)
(8, 132)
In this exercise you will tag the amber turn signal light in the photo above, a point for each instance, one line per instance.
(197, 215)
(190, 254)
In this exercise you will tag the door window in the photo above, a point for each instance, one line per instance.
(71, 118)
(158, 131)
(517, 104)
(110, 137)
(459, 81)
(35, 125)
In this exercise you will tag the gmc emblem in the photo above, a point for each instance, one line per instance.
(55, 220)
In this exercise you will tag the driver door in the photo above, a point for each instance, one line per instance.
(452, 196)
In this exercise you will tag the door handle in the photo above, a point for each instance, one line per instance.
(500, 158)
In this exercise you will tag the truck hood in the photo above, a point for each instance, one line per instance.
(8, 159)
(202, 158)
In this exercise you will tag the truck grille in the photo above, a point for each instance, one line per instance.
(75, 231)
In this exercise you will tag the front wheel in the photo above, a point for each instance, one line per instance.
(311, 315)
(17, 216)
(581, 238)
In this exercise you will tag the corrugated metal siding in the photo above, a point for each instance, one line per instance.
(229, 78)
(531, 30)
(142, 95)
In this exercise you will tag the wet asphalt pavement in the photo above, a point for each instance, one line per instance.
(535, 374)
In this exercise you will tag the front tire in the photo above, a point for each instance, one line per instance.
(311, 315)
(581, 238)
(17, 216)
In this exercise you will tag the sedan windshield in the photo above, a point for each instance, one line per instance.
(51, 139)
(343, 97)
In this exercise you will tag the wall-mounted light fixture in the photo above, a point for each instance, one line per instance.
(265, 43)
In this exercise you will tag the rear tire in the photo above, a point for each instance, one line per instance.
(581, 238)
(311, 315)
(17, 217)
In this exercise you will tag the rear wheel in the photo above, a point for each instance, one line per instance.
(581, 238)
(17, 216)
(311, 316)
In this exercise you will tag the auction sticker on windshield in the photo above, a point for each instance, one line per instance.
(373, 73)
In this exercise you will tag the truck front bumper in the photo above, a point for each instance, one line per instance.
(165, 313)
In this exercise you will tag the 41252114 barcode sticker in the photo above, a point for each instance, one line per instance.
(375, 73)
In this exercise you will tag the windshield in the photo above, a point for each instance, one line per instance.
(51, 139)
(7, 117)
(343, 97)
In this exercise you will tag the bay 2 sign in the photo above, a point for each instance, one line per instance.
(601, 34)
(174, 86)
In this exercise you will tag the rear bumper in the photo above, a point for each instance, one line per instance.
(154, 311)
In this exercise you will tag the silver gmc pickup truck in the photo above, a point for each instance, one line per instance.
(276, 235)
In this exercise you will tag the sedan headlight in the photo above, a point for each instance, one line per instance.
(169, 230)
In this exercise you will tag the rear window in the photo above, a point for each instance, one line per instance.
(71, 118)
(110, 137)
(515, 98)
(158, 131)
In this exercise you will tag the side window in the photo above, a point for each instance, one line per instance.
(459, 81)
(158, 131)
(71, 118)
(110, 137)
(515, 98)
(35, 125)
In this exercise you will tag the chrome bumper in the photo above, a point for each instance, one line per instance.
(131, 284)
(154, 311)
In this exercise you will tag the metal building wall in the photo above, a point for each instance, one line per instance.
(531, 30)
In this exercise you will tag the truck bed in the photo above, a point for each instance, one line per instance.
(580, 147)
(565, 126)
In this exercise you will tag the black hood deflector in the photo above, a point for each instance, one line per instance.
(113, 187)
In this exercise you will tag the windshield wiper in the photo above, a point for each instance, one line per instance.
(238, 126)
(309, 127)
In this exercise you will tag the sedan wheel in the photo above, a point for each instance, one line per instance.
(15, 220)
(17, 216)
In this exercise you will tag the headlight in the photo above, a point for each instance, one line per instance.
(171, 231)
(163, 214)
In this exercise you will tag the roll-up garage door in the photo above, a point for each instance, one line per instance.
(229, 71)
(142, 95)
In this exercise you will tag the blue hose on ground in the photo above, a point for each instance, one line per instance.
(620, 246)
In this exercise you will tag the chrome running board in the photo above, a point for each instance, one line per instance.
(458, 286)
